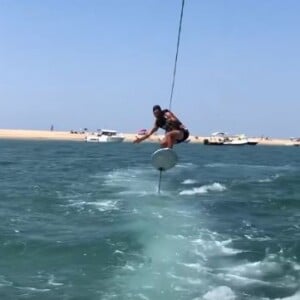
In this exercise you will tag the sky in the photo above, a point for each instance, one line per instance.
(104, 64)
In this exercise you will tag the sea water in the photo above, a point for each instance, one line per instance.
(85, 221)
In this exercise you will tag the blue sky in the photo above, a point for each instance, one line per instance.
(101, 64)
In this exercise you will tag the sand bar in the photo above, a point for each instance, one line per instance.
(129, 137)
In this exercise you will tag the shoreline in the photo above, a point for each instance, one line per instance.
(21, 134)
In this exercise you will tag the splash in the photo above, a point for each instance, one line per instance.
(221, 292)
(189, 181)
(215, 187)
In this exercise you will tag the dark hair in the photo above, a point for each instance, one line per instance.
(156, 107)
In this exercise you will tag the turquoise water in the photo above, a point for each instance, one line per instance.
(84, 221)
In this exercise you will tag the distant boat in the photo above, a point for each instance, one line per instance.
(105, 136)
(216, 139)
(252, 141)
(236, 140)
(222, 138)
(293, 142)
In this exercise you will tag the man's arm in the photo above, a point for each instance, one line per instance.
(144, 137)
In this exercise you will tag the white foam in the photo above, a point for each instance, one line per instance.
(51, 281)
(129, 179)
(224, 165)
(76, 203)
(148, 287)
(265, 180)
(180, 289)
(213, 247)
(254, 273)
(242, 280)
(4, 282)
(132, 182)
(269, 179)
(157, 215)
(257, 269)
(259, 239)
(215, 187)
(32, 289)
(184, 213)
(142, 296)
(296, 267)
(185, 165)
(221, 292)
(189, 181)
(142, 192)
(129, 268)
(171, 275)
(185, 280)
(193, 281)
(176, 237)
(195, 266)
(105, 205)
(217, 165)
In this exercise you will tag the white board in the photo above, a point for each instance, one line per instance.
(164, 159)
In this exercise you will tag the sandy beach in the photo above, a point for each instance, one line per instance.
(129, 137)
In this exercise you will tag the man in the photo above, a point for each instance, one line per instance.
(176, 132)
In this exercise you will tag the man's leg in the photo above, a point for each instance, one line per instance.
(171, 138)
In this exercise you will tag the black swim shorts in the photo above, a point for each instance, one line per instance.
(186, 134)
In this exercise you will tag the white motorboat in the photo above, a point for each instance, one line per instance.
(252, 141)
(105, 136)
(216, 139)
(222, 138)
(91, 138)
(293, 142)
(235, 142)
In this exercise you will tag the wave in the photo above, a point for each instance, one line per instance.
(215, 187)
(103, 205)
(189, 181)
(213, 247)
(220, 292)
(258, 272)
(239, 280)
(121, 177)
(52, 281)
(258, 239)
(269, 179)
(234, 165)
(128, 267)
(33, 289)
(4, 282)
(186, 165)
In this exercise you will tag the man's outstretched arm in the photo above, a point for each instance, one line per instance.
(146, 136)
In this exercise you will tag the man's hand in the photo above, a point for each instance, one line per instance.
(137, 140)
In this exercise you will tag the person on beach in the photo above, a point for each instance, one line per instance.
(176, 132)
